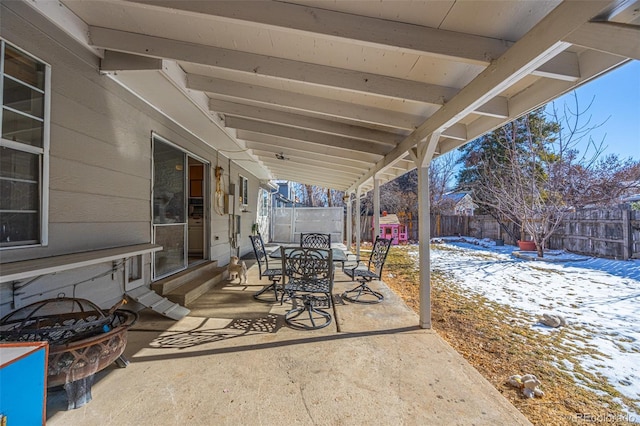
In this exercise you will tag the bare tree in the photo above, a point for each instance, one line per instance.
(586, 177)
(339, 198)
(531, 172)
(515, 182)
(315, 196)
(524, 195)
(400, 195)
(310, 195)
(442, 172)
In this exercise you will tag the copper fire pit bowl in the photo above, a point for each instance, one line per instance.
(83, 339)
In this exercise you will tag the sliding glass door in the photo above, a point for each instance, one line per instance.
(169, 208)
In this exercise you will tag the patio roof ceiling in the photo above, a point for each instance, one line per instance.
(335, 93)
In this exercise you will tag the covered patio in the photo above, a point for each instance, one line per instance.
(345, 95)
(232, 361)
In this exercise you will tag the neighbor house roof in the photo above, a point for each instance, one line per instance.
(455, 196)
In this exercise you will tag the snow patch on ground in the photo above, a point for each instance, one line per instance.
(600, 298)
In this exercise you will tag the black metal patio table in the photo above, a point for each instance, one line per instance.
(337, 253)
(308, 283)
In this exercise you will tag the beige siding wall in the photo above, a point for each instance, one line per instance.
(99, 146)
(100, 157)
(221, 224)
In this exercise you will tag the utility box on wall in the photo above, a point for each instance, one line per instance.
(228, 203)
(230, 199)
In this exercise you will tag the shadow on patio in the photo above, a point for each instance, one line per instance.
(234, 361)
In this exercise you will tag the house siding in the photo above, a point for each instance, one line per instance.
(100, 164)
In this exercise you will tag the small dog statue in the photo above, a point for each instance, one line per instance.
(237, 269)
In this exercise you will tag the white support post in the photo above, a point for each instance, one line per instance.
(292, 227)
(376, 208)
(423, 156)
(349, 222)
(424, 236)
(358, 226)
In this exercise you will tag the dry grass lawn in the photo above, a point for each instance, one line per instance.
(496, 341)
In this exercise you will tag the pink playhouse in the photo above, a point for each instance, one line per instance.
(390, 227)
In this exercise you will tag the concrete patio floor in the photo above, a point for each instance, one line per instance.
(233, 361)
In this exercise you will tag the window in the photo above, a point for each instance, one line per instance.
(264, 208)
(244, 191)
(24, 148)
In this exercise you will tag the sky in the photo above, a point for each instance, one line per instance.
(616, 102)
(597, 297)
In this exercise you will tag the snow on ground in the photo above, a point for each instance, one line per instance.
(600, 298)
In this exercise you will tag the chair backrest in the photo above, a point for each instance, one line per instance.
(379, 255)
(260, 252)
(311, 268)
(315, 240)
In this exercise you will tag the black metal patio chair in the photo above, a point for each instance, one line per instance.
(365, 272)
(274, 274)
(308, 282)
(315, 240)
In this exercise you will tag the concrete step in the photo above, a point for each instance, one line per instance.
(167, 285)
(187, 293)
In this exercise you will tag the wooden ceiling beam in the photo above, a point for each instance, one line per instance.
(306, 135)
(536, 47)
(311, 179)
(360, 30)
(365, 31)
(301, 121)
(266, 96)
(255, 64)
(279, 143)
(120, 61)
(321, 170)
(300, 157)
(618, 39)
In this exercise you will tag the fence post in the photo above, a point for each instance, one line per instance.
(627, 234)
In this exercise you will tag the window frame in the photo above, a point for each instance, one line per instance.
(243, 193)
(264, 203)
(41, 152)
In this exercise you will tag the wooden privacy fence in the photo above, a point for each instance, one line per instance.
(442, 225)
(612, 233)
